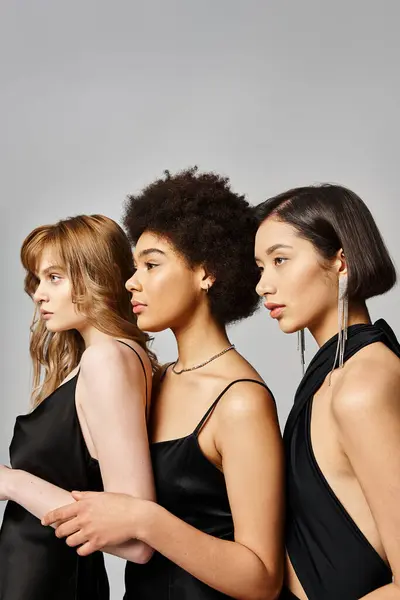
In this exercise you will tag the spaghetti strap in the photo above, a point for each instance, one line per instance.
(214, 404)
(165, 369)
(141, 362)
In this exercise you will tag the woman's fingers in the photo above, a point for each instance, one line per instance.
(67, 528)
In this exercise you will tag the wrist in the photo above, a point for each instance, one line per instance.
(145, 521)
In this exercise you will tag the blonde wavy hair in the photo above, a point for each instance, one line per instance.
(97, 258)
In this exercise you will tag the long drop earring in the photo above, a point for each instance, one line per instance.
(343, 319)
(301, 347)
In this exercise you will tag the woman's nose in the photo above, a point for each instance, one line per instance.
(40, 295)
(264, 286)
(133, 284)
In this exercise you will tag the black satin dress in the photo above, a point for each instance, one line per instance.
(34, 563)
(189, 486)
(330, 555)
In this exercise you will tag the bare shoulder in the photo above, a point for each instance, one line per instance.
(112, 355)
(247, 400)
(111, 369)
(370, 382)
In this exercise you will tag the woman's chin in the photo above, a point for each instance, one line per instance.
(148, 325)
(287, 326)
(52, 327)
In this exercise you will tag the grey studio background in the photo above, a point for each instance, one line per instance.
(97, 98)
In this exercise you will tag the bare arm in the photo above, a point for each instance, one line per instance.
(113, 404)
(248, 568)
(33, 493)
(369, 425)
(251, 567)
(388, 592)
(111, 394)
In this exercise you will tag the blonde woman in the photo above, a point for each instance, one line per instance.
(87, 430)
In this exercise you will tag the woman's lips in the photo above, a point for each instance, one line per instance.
(138, 307)
(275, 309)
(45, 314)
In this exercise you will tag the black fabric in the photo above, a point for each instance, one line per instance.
(189, 486)
(331, 556)
(286, 594)
(34, 563)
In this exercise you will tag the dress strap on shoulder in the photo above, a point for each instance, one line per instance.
(214, 404)
(164, 370)
(141, 362)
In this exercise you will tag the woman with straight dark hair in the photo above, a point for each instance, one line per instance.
(321, 257)
(215, 440)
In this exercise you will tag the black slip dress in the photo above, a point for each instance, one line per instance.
(34, 563)
(192, 488)
(330, 555)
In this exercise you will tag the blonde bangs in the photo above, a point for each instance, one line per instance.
(39, 240)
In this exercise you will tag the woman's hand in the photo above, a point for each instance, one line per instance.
(99, 519)
(5, 480)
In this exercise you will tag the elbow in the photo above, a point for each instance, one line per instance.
(275, 586)
(271, 587)
(144, 554)
(274, 592)
(275, 580)
(271, 593)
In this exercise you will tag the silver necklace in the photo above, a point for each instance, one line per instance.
(231, 347)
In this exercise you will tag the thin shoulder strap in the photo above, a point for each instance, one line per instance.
(141, 362)
(164, 370)
(214, 404)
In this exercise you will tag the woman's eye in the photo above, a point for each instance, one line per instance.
(260, 269)
(54, 278)
(150, 266)
(279, 261)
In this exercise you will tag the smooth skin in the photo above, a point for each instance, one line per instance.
(110, 401)
(355, 425)
(241, 439)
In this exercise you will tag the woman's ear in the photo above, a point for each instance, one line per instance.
(340, 263)
(206, 280)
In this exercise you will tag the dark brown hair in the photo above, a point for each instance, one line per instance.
(332, 217)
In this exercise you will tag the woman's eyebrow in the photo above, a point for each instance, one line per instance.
(272, 249)
(48, 270)
(150, 251)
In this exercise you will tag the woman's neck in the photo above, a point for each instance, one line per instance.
(91, 335)
(198, 340)
(328, 326)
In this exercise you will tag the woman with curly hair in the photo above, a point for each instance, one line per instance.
(215, 440)
(92, 377)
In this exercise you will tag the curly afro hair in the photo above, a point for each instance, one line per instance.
(209, 225)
